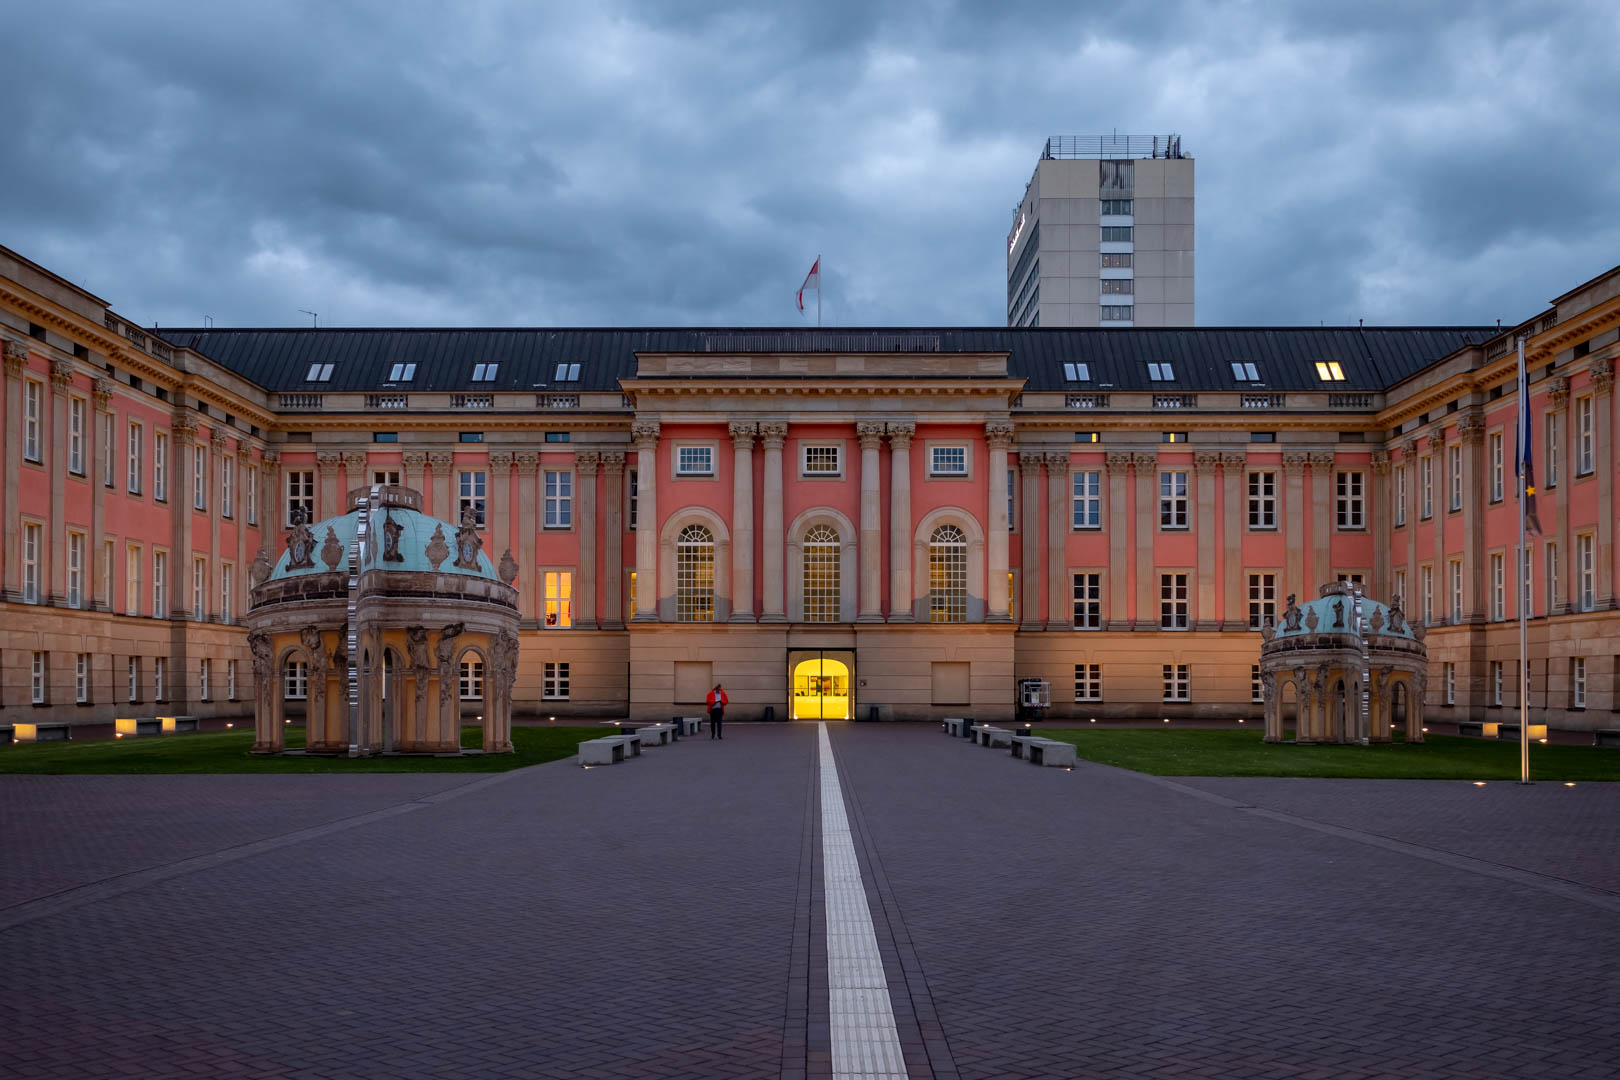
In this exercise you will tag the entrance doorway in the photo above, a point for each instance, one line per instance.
(821, 684)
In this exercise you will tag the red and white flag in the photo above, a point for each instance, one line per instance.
(812, 280)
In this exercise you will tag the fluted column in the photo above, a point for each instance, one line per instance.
(1322, 520)
(1442, 510)
(998, 434)
(270, 518)
(1293, 524)
(16, 360)
(901, 599)
(327, 494)
(1029, 469)
(870, 434)
(1147, 480)
(645, 435)
(1057, 535)
(1118, 525)
(57, 468)
(214, 582)
(498, 508)
(101, 577)
(239, 577)
(443, 505)
(1204, 616)
(527, 465)
(742, 520)
(1471, 431)
(1559, 399)
(414, 461)
(774, 436)
(183, 436)
(585, 464)
(613, 539)
(1379, 524)
(1409, 457)
(1607, 465)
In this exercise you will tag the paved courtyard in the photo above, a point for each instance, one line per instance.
(669, 917)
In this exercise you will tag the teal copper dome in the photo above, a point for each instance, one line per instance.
(1334, 613)
(400, 538)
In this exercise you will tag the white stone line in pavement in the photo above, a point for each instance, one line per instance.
(865, 1043)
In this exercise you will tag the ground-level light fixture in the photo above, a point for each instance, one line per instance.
(1479, 783)
(1569, 783)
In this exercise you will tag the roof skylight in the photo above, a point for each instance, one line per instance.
(319, 373)
(1329, 371)
(1075, 372)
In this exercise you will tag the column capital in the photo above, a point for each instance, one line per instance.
(440, 459)
(414, 460)
(61, 375)
(901, 432)
(1408, 449)
(1117, 461)
(500, 459)
(102, 388)
(218, 438)
(1321, 461)
(182, 428)
(773, 434)
(1205, 461)
(870, 434)
(999, 434)
(1029, 463)
(1603, 375)
(612, 462)
(270, 456)
(1294, 462)
(244, 452)
(1380, 462)
(1558, 392)
(644, 433)
(327, 462)
(1231, 460)
(586, 461)
(1057, 462)
(742, 433)
(16, 354)
(1471, 429)
(527, 463)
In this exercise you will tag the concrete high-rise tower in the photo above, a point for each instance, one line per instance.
(1104, 235)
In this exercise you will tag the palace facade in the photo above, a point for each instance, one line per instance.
(891, 523)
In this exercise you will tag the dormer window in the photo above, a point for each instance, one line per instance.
(402, 373)
(1329, 371)
(1245, 372)
(1161, 372)
(566, 373)
(485, 372)
(319, 373)
(1077, 372)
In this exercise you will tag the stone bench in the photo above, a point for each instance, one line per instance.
(1606, 736)
(687, 725)
(42, 732)
(655, 734)
(1511, 731)
(137, 726)
(990, 735)
(610, 749)
(1041, 751)
(180, 725)
(1484, 729)
(957, 727)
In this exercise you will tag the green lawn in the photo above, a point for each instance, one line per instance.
(1242, 753)
(228, 753)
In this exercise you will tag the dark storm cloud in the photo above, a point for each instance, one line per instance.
(682, 162)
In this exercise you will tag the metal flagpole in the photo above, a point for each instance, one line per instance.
(818, 290)
(1524, 635)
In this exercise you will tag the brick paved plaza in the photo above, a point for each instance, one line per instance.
(665, 918)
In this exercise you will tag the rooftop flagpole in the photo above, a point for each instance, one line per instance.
(1524, 653)
(818, 291)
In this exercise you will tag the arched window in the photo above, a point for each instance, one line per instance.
(947, 575)
(694, 575)
(822, 580)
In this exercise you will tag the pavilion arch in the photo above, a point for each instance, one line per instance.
(848, 569)
(974, 533)
(671, 532)
(273, 704)
(489, 723)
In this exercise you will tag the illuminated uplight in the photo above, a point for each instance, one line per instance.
(230, 725)
(1569, 783)
(1425, 731)
(1167, 719)
(1543, 742)
(1479, 783)
(120, 735)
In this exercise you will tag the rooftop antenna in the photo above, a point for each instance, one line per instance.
(208, 321)
(314, 319)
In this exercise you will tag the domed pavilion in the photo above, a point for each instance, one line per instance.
(407, 598)
(1331, 649)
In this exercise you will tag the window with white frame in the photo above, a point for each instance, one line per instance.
(1400, 588)
(160, 466)
(474, 490)
(1494, 451)
(1454, 476)
(81, 678)
(694, 575)
(947, 461)
(75, 570)
(109, 460)
(230, 680)
(76, 436)
(1553, 594)
(1349, 500)
(1330, 371)
(1173, 602)
(1088, 682)
(472, 680)
(630, 487)
(559, 585)
(1585, 454)
(947, 575)
(132, 580)
(694, 461)
(1400, 495)
(1426, 486)
(1177, 686)
(1086, 512)
(295, 680)
(1586, 571)
(1449, 673)
(566, 373)
(205, 673)
(822, 578)
(105, 594)
(1086, 589)
(301, 495)
(160, 585)
(821, 460)
(401, 372)
(1456, 591)
(226, 580)
(199, 477)
(1161, 372)
(38, 670)
(554, 681)
(1527, 584)
(1012, 500)
(1257, 685)
(1262, 601)
(32, 537)
(559, 499)
(1076, 372)
(33, 406)
(319, 373)
(1498, 586)
(227, 481)
(1262, 500)
(199, 589)
(485, 372)
(1243, 371)
(1552, 422)
(160, 671)
(136, 443)
(1426, 585)
(1577, 682)
(1496, 682)
(1172, 500)
(250, 491)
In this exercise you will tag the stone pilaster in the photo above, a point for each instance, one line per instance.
(498, 508)
(1607, 463)
(1380, 526)
(218, 447)
(1058, 610)
(183, 437)
(1233, 481)
(998, 435)
(773, 435)
(613, 539)
(870, 434)
(527, 465)
(644, 433)
(414, 462)
(901, 598)
(16, 360)
(101, 577)
(1029, 470)
(1147, 511)
(1409, 458)
(56, 466)
(1293, 511)
(1204, 614)
(1322, 521)
(241, 572)
(1471, 433)
(270, 517)
(329, 498)
(1558, 396)
(442, 505)
(585, 466)
(1118, 525)
(742, 520)
(1442, 510)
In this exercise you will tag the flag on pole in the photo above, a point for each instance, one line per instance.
(1525, 465)
(812, 280)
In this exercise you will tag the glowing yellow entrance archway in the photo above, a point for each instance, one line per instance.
(821, 689)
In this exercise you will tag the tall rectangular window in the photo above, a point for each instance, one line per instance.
(205, 674)
(227, 468)
(136, 443)
(160, 585)
(1257, 685)
(108, 553)
(1527, 585)
(38, 670)
(160, 670)
(554, 681)
(1172, 500)
(1494, 450)
(1173, 602)
(559, 499)
(1262, 500)
(1449, 673)
(1554, 596)
(1177, 686)
(474, 487)
(295, 680)
(1426, 584)
(199, 476)
(250, 491)
(1349, 503)
(1086, 512)
(1012, 500)
(1088, 682)
(160, 466)
(630, 486)
(199, 589)
(32, 535)
(1553, 420)
(230, 680)
(1586, 569)
(1585, 454)
(81, 678)
(1577, 682)
(559, 600)
(109, 459)
(134, 674)
(132, 580)
(1498, 586)
(33, 406)
(1400, 495)
(1426, 486)
(76, 436)
(1262, 600)
(1456, 591)
(1400, 588)
(1087, 600)
(1496, 682)
(301, 495)
(75, 570)
(472, 680)
(1454, 475)
(226, 580)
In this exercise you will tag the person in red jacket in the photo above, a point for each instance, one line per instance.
(717, 710)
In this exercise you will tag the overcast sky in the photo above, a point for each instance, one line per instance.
(678, 162)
